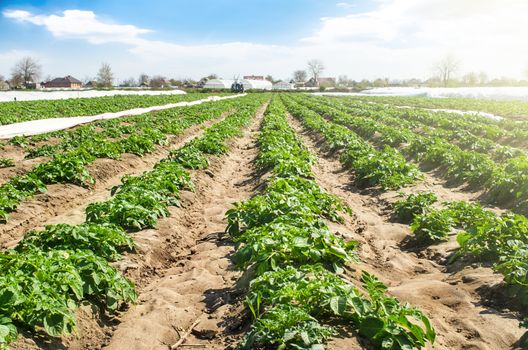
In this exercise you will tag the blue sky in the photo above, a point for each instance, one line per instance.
(362, 39)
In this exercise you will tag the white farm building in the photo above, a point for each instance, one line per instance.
(219, 84)
(283, 85)
(256, 84)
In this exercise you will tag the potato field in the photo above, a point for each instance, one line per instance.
(266, 221)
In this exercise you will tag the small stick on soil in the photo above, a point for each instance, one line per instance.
(186, 334)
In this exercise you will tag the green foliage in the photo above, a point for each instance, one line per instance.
(190, 157)
(135, 209)
(13, 112)
(66, 168)
(41, 289)
(406, 209)
(433, 226)
(81, 146)
(104, 240)
(8, 332)
(282, 234)
(6, 162)
(385, 167)
(16, 190)
(286, 327)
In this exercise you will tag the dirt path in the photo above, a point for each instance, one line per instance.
(65, 203)
(451, 300)
(195, 283)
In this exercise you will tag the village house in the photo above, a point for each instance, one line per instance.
(326, 82)
(68, 82)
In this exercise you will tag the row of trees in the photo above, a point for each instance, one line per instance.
(28, 71)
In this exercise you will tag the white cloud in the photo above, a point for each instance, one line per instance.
(345, 5)
(399, 38)
(82, 25)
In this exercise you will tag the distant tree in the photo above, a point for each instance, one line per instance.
(300, 76)
(158, 81)
(16, 81)
(105, 77)
(315, 67)
(130, 82)
(470, 79)
(3, 84)
(446, 69)
(47, 78)
(483, 78)
(176, 82)
(380, 82)
(26, 71)
(143, 79)
(343, 80)
(212, 76)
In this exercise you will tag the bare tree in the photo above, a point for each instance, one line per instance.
(26, 71)
(105, 77)
(446, 68)
(143, 79)
(271, 79)
(299, 75)
(315, 67)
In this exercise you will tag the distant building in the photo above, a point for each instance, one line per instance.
(311, 83)
(254, 77)
(68, 82)
(218, 84)
(283, 85)
(251, 84)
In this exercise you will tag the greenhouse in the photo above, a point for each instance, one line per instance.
(256, 84)
(219, 84)
(283, 85)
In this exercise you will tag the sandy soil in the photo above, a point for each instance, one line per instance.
(452, 299)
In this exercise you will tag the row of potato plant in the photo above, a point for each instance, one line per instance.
(462, 131)
(20, 111)
(503, 132)
(50, 272)
(514, 110)
(385, 167)
(82, 146)
(500, 240)
(505, 183)
(282, 238)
